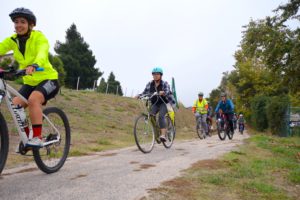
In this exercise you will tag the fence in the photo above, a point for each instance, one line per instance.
(293, 125)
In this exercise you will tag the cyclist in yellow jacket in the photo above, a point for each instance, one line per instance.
(30, 49)
(200, 110)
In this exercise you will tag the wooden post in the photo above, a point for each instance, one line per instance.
(78, 82)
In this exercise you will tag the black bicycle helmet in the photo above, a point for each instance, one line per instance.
(23, 12)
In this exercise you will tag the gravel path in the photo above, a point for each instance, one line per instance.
(118, 174)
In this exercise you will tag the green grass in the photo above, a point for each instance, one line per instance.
(265, 167)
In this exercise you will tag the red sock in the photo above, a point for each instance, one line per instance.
(26, 130)
(37, 130)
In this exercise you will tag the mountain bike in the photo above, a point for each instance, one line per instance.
(56, 133)
(241, 128)
(209, 125)
(223, 127)
(146, 127)
(200, 128)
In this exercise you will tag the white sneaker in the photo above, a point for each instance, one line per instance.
(34, 142)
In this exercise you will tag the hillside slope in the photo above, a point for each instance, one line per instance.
(99, 122)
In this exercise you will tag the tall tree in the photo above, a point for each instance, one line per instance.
(78, 60)
(114, 86)
(102, 86)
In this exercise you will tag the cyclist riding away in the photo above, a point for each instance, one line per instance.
(159, 103)
(226, 106)
(199, 108)
(30, 49)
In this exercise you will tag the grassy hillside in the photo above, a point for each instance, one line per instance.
(99, 122)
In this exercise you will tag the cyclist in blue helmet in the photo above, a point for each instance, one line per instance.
(226, 106)
(159, 104)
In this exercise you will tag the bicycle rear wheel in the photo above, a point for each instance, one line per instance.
(144, 134)
(52, 157)
(221, 132)
(4, 142)
(170, 135)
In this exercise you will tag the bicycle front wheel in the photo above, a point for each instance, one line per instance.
(4, 142)
(144, 134)
(230, 134)
(200, 131)
(52, 157)
(170, 135)
(221, 132)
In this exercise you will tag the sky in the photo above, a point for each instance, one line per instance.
(192, 40)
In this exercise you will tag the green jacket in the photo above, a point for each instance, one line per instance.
(36, 52)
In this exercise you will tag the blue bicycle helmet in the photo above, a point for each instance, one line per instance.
(23, 12)
(157, 70)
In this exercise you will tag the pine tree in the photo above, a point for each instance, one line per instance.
(78, 60)
(102, 86)
(114, 86)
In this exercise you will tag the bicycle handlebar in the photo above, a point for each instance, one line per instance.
(148, 96)
(21, 72)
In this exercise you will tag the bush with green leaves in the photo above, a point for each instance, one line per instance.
(258, 112)
(276, 113)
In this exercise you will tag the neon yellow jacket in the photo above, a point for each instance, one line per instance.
(36, 52)
(200, 107)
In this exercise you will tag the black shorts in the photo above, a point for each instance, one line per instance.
(49, 88)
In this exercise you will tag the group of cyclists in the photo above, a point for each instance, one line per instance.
(31, 48)
(203, 112)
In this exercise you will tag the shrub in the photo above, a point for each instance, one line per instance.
(276, 114)
(258, 112)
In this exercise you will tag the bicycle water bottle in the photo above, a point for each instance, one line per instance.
(171, 112)
(21, 116)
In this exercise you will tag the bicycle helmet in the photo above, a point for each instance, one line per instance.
(223, 94)
(200, 94)
(23, 12)
(157, 70)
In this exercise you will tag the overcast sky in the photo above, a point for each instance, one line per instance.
(192, 40)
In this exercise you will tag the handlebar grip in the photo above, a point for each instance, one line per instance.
(39, 69)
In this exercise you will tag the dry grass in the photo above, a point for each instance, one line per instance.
(98, 122)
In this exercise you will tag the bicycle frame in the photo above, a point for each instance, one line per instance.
(146, 106)
(6, 92)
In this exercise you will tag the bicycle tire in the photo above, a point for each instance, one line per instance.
(142, 124)
(199, 130)
(55, 115)
(228, 130)
(4, 142)
(170, 135)
(230, 134)
(221, 133)
(241, 129)
(209, 129)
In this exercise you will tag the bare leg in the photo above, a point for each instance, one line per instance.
(163, 131)
(35, 101)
